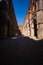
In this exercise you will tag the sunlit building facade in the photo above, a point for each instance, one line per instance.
(33, 22)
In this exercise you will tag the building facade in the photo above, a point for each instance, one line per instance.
(21, 28)
(8, 22)
(33, 23)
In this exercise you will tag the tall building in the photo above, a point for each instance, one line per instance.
(33, 22)
(8, 22)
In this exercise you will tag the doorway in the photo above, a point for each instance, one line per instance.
(35, 27)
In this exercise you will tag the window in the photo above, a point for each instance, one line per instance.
(37, 5)
(42, 4)
(33, 3)
(6, 1)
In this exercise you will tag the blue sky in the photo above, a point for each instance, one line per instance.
(20, 7)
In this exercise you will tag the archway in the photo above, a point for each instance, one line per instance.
(35, 27)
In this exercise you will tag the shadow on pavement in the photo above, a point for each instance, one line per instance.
(22, 51)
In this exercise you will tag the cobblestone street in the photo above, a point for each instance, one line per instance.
(21, 50)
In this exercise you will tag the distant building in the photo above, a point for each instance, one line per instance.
(33, 23)
(21, 28)
(8, 22)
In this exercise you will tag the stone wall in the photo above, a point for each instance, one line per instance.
(40, 23)
(8, 22)
(35, 19)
